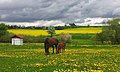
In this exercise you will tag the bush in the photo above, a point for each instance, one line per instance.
(65, 37)
(6, 38)
(3, 29)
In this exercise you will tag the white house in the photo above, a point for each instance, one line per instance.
(17, 40)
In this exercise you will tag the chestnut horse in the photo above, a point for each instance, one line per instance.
(50, 42)
(61, 47)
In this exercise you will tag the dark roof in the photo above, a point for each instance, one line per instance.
(17, 36)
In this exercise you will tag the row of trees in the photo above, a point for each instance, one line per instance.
(71, 25)
(111, 33)
(23, 27)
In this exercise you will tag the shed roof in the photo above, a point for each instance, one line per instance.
(17, 36)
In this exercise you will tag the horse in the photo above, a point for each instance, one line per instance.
(50, 42)
(61, 47)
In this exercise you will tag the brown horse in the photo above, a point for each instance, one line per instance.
(61, 47)
(50, 42)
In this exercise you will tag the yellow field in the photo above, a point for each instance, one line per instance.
(44, 32)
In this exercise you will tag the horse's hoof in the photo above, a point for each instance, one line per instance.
(60, 53)
(47, 54)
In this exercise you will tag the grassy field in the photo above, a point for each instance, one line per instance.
(84, 58)
(81, 55)
(44, 32)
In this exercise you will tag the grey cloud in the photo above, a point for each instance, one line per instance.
(64, 10)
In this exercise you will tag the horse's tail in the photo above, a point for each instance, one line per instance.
(45, 45)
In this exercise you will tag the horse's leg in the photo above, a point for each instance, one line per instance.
(57, 49)
(47, 50)
(61, 50)
(53, 49)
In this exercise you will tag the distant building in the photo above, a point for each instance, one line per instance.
(17, 40)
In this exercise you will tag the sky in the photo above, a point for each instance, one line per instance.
(56, 11)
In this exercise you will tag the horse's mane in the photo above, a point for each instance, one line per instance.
(46, 40)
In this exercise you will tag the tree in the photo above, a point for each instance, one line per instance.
(72, 24)
(3, 29)
(51, 31)
(110, 33)
(104, 36)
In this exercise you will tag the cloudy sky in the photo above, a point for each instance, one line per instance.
(61, 11)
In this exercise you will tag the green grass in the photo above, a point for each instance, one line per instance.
(82, 42)
(82, 39)
(86, 58)
(82, 36)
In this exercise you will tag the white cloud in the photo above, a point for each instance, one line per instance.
(37, 23)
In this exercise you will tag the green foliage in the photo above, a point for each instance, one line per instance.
(6, 38)
(60, 27)
(115, 28)
(3, 29)
(51, 31)
(110, 34)
(4, 35)
(33, 39)
(27, 39)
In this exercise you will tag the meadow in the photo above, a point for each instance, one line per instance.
(44, 32)
(81, 55)
(82, 58)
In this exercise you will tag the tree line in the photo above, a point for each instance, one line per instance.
(70, 25)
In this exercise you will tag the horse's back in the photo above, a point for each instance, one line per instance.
(61, 44)
(51, 41)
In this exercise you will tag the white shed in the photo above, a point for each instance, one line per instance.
(17, 40)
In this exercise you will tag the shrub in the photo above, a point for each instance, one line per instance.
(33, 39)
(6, 38)
(65, 37)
